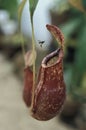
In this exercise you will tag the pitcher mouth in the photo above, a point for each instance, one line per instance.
(57, 53)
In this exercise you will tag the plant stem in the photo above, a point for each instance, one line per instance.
(33, 48)
(22, 45)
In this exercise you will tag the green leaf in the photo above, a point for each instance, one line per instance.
(9, 5)
(68, 78)
(69, 27)
(20, 9)
(77, 4)
(32, 6)
(84, 4)
(80, 59)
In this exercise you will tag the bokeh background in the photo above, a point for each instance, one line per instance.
(70, 16)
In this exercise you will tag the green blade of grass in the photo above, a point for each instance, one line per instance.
(20, 9)
(32, 7)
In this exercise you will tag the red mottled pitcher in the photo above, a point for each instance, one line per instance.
(50, 92)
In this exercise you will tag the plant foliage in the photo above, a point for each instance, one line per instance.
(9, 5)
(75, 59)
(32, 6)
(20, 9)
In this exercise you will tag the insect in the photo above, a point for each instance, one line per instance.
(41, 43)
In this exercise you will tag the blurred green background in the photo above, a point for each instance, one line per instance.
(9, 5)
